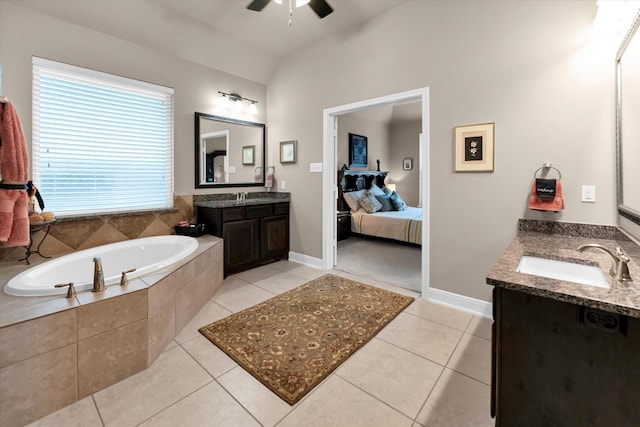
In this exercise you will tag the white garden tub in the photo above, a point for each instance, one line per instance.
(146, 255)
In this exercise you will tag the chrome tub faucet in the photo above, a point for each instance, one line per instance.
(619, 268)
(98, 275)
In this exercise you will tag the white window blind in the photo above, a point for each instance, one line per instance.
(101, 143)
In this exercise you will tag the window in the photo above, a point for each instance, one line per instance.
(101, 143)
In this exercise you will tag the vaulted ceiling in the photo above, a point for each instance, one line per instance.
(221, 34)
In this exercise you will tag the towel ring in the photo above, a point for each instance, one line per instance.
(547, 167)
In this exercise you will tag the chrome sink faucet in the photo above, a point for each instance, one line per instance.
(98, 275)
(241, 196)
(619, 268)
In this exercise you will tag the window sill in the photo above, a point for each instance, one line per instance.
(69, 218)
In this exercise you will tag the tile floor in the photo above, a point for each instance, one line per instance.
(429, 367)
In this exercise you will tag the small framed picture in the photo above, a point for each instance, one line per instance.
(358, 150)
(407, 163)
(474, 148)
(248, 155)
(288, 151)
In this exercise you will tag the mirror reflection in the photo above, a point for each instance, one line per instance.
(628, 127)
(220, 146)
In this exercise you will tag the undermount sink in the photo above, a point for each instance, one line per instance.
(563, 270)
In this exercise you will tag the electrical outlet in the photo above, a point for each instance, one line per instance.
(283, 185)
(588, 193)
(602, 320)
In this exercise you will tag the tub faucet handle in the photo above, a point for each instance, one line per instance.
(71, 292)
(124, 280)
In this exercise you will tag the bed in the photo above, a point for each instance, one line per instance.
(389, 224)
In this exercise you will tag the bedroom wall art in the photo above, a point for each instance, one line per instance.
(474, 148)
(357, 151)
(407, 163)
(288, 151)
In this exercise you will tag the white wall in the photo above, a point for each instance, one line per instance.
(24, 33)
(519, 64)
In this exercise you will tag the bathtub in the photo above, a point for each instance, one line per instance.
(146, 255)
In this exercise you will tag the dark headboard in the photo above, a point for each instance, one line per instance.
(351, 180)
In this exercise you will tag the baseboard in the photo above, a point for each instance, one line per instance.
(306, 260)
(472, 305)
(461, 302)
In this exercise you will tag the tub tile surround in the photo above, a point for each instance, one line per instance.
(55, 351)
(559, 241)
(71, 234)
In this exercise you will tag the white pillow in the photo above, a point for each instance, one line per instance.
(352, 198)
(376, 191)
(369, 203)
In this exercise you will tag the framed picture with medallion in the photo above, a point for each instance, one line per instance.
(474, 147)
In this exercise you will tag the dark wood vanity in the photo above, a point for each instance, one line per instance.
(254, 232)
(564, 354)
(562, 364)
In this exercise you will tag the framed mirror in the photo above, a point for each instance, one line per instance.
(221, 152)
(627, 123)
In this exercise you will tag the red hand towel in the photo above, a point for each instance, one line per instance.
(556, 204)
(14, 220)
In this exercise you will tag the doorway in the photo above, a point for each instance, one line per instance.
(330, 184)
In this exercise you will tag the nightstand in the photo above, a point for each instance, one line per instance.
(343, 220)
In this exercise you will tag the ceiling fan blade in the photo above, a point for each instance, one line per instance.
(258, 5)
(320, 7)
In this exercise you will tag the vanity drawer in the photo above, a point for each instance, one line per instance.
(232, 214)
(281, 208)
(259, 211)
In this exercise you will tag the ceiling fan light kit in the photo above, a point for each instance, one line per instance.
(320, 7)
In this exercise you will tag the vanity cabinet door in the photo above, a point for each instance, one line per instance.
(241, 243)
(275, 236)
(555, 369)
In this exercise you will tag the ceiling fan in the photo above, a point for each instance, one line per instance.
(320, 7)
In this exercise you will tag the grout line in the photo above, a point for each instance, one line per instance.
(95, 404)
(415, 420)
(233, 397)
(433, 321)
(375, 397)
(174, 403)
(410, 352)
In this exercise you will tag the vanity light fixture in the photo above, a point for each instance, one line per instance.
(235, 101)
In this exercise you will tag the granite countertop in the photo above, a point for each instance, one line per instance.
(226, 203)
(622, 298)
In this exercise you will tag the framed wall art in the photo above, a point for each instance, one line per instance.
(288, 151)
(248, 154)
(474, 147)
(357, 150)
(407, 164)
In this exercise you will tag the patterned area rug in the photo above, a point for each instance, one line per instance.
(291, 342)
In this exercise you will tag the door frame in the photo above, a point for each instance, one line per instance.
(329, 176)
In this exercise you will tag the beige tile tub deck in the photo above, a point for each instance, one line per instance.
(58, 350)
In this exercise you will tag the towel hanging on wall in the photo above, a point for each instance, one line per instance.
(270, 177)
(14, 219)
(546, 194)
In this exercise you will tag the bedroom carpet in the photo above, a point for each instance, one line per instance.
(389, 262)
(291, 342)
